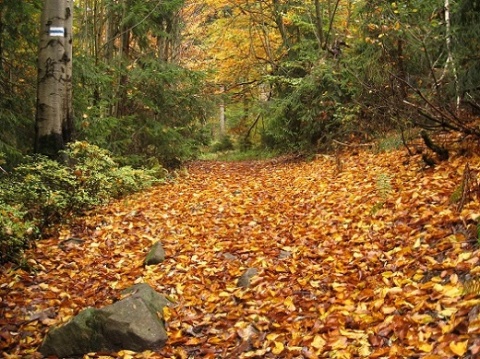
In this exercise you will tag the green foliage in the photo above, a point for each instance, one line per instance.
(384, 186)
(466, 23)
(384, 189)
(41, 192)
(18, 46)
(166, 113)
(42, 186)
(15, 232)
(223, 144)
(235, 155)
(310, 111)
(456, 195)
(389, 143)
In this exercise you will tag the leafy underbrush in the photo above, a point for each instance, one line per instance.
(41, 193)
(238, 155)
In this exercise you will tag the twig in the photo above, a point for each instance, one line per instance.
(1, 168)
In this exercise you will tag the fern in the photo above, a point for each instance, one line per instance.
(384, 186)
(456, 196)
(472, 286)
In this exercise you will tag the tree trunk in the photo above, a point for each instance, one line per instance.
(222, 113)
(319, 23)
(54, 118)
(450, 59)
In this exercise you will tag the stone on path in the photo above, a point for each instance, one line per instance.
(245, 278)
(133, 323)
(156, 254)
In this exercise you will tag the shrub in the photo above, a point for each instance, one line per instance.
(41, 192)
(310, 111)
(224, 144)
(42, 187)
(15, 233)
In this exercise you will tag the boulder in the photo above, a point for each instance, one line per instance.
(156, 254)
(133, 323)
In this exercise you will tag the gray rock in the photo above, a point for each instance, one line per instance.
(229, 256)
(245, 278)
(284, 254)
(133, 323)
(70, 243)
(156, 254)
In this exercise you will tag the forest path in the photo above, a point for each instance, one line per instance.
(357, 260)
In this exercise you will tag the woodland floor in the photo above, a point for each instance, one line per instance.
(368, 259)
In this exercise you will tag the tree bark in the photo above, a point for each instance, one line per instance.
(222, 113)
(319, 23)
(450, 59)
(54, 117)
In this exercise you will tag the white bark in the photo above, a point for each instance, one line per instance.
(450, 63)
(54, 92)
(222, 113)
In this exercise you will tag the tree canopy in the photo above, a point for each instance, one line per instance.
(151, 78)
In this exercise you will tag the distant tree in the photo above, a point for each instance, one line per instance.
(18, 40)
(54, 117)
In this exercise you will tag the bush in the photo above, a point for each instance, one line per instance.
(224, 144)
(41, 192)
(15, 233)
(309, 112)
(42, 187)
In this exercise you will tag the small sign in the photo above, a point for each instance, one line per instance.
(57, 31)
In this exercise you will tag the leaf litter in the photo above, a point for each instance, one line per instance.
(369, 262)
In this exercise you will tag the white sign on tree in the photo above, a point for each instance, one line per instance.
(57, 31)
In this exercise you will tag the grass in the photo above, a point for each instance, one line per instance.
(237, 155)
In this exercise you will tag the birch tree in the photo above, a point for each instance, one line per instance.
(54, 115)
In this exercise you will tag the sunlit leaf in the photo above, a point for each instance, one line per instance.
(279, 348)
(459, 348)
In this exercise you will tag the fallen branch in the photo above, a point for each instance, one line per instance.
(440, 151)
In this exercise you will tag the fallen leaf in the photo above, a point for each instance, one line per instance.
(458, 348)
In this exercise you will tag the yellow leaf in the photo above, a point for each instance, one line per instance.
(425, 347)
(353, 334)
(167, 313)
(272, 336)
(318, 342)
(422, 318)
(289, 304)
(279, 347)
(417, 244)
(448, 290)
(458, 348)
(388, 310)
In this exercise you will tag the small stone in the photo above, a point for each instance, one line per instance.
(156, 254)
(284, 254)
(229, 256)
(70, 243)
(245, 278)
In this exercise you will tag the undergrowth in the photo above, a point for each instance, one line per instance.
(238, 155)
(41, 193)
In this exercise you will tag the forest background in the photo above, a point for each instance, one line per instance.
(161, 79)
(157, 83)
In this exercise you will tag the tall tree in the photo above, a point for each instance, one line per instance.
(54, 118)
(18, 40)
